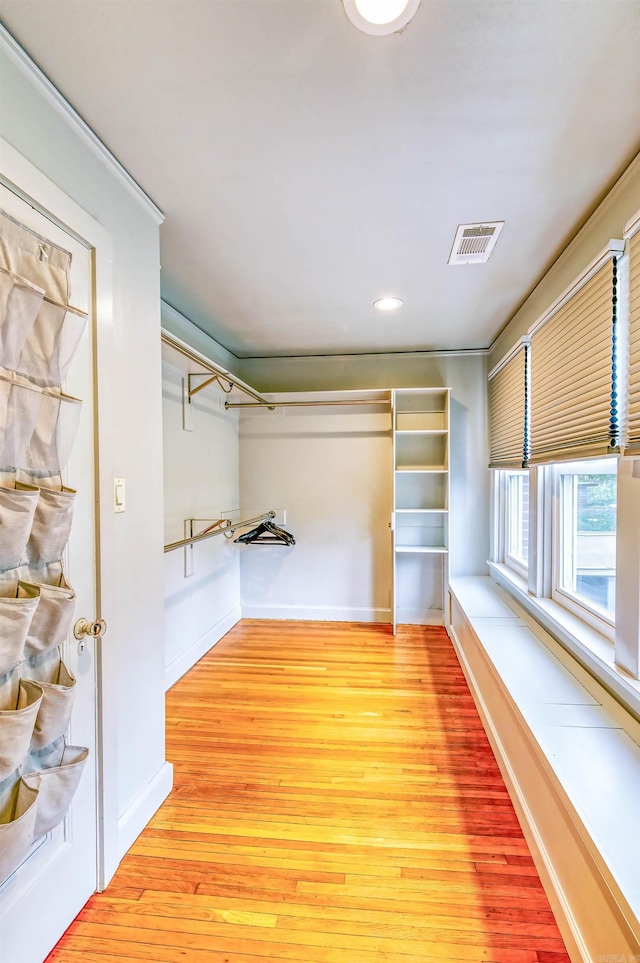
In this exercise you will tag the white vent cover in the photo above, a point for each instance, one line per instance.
(474, 243)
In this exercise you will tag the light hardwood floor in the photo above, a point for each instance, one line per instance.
(336, 801)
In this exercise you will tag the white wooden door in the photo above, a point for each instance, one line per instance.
(48, 890)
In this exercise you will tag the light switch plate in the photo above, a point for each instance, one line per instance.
(119, 495)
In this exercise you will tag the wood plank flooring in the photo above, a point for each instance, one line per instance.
(336, 801)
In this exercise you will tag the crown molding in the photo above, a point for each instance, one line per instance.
(52, 95)
(632, 226)
(520, 344)
(452, 353)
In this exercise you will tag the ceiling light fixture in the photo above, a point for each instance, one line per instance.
(380, 17)
(388, 304)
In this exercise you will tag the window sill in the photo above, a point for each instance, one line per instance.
(591, 649)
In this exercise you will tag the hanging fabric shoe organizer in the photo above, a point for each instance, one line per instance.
(39, 334)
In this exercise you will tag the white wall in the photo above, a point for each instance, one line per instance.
(130, 420)
(330, 470)
(465, 374)
(201, 480)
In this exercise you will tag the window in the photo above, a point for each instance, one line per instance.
(581, 377)
(584, 536)
(516, 524)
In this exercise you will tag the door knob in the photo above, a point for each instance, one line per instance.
(94, 630)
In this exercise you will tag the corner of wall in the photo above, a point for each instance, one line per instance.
(187, 331)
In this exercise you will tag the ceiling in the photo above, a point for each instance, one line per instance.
(306, 169)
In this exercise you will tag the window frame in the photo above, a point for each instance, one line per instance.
(513, 562)
(595, 616)
(500, 504)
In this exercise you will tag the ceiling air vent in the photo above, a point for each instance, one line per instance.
(474, 243)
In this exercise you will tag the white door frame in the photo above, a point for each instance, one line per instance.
(21, 177)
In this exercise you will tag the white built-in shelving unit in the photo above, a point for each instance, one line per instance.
(420, 521)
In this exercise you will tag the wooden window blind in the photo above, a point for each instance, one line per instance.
(573, 389)
(633, 415)
(508, 413)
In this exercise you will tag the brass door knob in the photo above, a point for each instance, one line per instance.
(94, 630)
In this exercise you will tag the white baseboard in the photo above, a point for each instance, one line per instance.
(326, 613)
(176, 669)
(315, 613)
(137, 815)
(415, 616)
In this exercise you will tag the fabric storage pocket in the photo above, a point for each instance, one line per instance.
(54, 432)
(55, 709)
(49, 349)
(19, 407)
(17, 827)
(16, 613)
(56, 786)
(17, 509)
(20, 301)
(51, 524)
(52, 619)
(37, 479)
(29, 255)
(16, 727)
(73, 326)
(9, 690)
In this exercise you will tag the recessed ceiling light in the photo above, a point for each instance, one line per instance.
(388, 304)
(381, 11)
(380, 17)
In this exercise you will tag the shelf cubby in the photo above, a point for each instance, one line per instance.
(422, 491)
(419, 588)
(421, 410)
(422, 450)
(421, 531)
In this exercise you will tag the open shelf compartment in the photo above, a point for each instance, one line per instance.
(421, 532)
(421, 409)
(422, 491)
(419, 594)
(420, 450)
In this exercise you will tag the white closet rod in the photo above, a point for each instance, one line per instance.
(231, 527)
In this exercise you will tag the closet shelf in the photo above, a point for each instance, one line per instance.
(421, 431)
(422, 549)
(434, 469)
(434, 412)
(422, 511)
